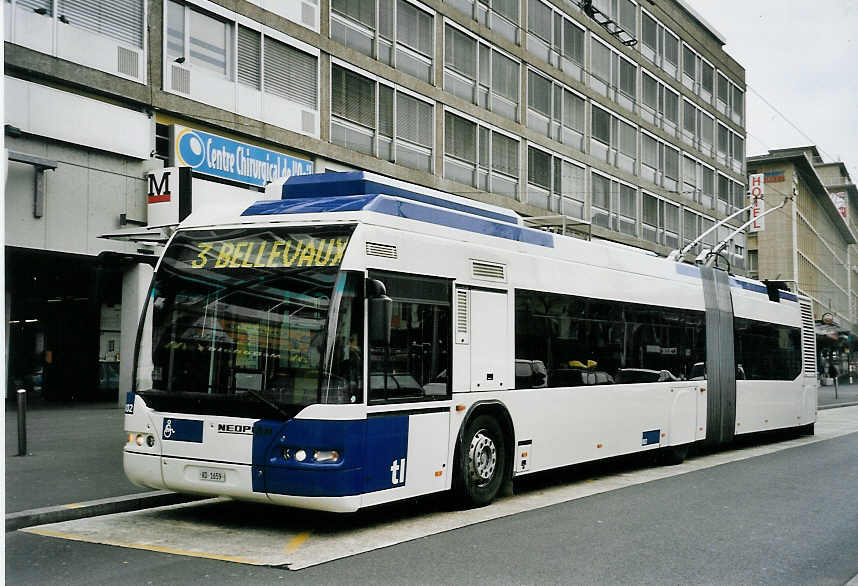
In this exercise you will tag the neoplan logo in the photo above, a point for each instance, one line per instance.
(234, 428)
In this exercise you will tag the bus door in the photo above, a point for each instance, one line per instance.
(409, 391)
(490, 355)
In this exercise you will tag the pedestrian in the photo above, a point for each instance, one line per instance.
(832, 372)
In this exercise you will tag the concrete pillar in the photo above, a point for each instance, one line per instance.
(135, 286)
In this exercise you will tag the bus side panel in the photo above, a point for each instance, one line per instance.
(763, 405)
(420, 464)
(571, 425)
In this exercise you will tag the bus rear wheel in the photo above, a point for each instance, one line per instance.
(482, 462)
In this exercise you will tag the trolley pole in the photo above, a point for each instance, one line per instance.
(22, 422)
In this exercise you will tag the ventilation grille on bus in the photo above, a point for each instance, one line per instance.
(181, 80)
(487, 271)
(808, 340)
(383, 250)
(127, 62)
(462, 334)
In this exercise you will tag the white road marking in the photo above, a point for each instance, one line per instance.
(154, 529)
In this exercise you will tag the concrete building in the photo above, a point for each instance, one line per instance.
(626, 115)
(811, 242)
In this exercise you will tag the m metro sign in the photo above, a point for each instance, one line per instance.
(756, 185)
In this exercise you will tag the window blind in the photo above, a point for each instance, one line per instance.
(249, 56)
(360, 10)
(460, 137)
(539, 19)
(539, 168)
(539, 93)
(290, 73)
(414, 28)
(460, 52)
(414, 120)
(504, 154)
(119, 19)
(352, 96)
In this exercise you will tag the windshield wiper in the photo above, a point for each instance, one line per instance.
(261, 398)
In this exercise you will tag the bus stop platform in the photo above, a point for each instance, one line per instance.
(73, 467)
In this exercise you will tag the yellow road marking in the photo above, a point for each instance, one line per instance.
(296, 542)
(73, 506)
(156, 548)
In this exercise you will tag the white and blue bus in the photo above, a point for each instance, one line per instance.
(363, 340)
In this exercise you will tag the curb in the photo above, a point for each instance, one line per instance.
(107, 506)
(836, 405)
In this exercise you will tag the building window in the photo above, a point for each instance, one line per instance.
(202, 40)
(380, 120)
(554, 110)
(689, 122)
(555, 183)
(499, 15)
(368, 26)
(121, 20)
(659, 45)
(613, 75)
(659, 221)
(689, 67)
(707, 133)
(614, 205)
(289, 73)
(554, 38)
(479, 73)
(738, 115)
(613, 140)
(623, 12)
(475, 154)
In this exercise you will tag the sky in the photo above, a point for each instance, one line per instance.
(802, 58)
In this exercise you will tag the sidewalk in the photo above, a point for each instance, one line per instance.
(847, 394)
(75, 455)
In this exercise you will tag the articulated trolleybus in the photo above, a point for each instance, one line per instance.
(363, 340)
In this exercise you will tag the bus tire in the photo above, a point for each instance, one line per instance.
(674, 455)
(482, 462)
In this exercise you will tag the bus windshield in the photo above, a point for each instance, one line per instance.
(252, 323)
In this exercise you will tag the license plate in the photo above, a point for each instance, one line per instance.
(213, 475)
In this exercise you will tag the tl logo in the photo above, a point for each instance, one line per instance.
(397, 472)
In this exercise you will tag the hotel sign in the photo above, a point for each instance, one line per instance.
(222, 157)
(756, 184)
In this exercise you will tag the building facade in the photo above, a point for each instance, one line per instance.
(811, 242)
(627, 116)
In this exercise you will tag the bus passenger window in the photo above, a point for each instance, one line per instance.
(415, 365)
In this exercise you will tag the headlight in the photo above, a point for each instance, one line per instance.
(326, 456)
(300, 456)
(139, 439)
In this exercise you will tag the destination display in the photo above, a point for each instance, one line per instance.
(265, 251)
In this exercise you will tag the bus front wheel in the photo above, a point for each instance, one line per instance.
(482, 462)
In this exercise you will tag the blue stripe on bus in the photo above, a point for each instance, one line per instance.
(440, 217)
(693, 271)
(326, 185)
(372, 456)
(404, 209)
(348, 203)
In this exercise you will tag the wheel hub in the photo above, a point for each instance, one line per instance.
(482, 458)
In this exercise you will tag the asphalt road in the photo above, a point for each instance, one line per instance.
(790, 517)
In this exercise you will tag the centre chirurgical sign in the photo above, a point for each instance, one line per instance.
(222, 157)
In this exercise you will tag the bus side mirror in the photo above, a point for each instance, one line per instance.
(380, 313)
